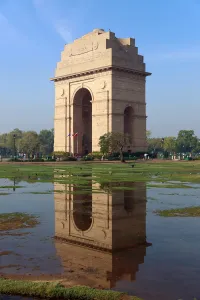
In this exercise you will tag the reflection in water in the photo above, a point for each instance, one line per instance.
(82, 209)
(103, 234)
(103, 253)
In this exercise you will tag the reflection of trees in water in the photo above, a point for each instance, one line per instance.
(31, 178)
(107, 187)
(16, 181)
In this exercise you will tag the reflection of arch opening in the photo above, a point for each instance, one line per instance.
(82, 210)
(128, 121)
(82, 121)
(129, 200)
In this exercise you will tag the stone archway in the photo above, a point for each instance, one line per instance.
(116, 78)
(82, 121)
(128, 121)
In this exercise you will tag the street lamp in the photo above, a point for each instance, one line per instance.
(162, 142)
(14, 137)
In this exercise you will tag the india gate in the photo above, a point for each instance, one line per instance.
(99, 88)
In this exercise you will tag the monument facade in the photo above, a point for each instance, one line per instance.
(99, 88)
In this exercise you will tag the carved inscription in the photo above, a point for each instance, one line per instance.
(85, 57)
(81, 50)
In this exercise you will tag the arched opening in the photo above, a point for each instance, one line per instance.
(82, 209)
(82, 122)
(128, 122)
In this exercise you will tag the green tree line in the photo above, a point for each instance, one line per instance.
(28, 142)
(185, 142)
(31, 142)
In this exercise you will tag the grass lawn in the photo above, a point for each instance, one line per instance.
(13, 221)
(81, 172)
(54, 290)
(192, 211)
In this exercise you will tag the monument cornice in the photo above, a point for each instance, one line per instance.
(100, 70)
(136, 116)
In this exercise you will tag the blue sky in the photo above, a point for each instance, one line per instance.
(33, 33)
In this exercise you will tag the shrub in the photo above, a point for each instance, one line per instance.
(36, 160)
(51, 159)
(97, 155)
(113, 158)
(87, 158)
(69, 158)
(138, 154)
(61, 154)
(15, 159)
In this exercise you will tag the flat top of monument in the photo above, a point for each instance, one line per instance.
(98, 29)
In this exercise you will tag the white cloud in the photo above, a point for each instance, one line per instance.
(50, 13)
(63, 30)
(7, 32)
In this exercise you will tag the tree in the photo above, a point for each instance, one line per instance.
(169, 144)
(148, 134)
(114, 142)
(46, 139)
(104, 143)
(155, 145)
(186, 141)
(3, 148)
(10, 139)
(197, 148)
(7, 141)
(29, 143)
(3, 139)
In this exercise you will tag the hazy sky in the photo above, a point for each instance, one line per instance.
(33, 33)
